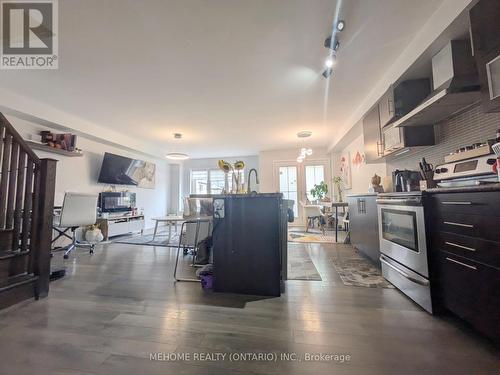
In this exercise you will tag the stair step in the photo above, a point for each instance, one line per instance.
(19, 288)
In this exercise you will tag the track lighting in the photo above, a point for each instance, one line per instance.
(330, 61)
(340, 25)
(327, 73)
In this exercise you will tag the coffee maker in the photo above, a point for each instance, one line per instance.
(406, 180)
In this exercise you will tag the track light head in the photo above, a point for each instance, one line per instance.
(328, 72)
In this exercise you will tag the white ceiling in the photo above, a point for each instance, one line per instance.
(234, 76)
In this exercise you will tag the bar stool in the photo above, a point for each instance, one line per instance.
(197, 223)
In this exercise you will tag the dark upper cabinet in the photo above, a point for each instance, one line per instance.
(485, 32)
(372, 136)
(401, 99)
(397, 139)
(485, 26)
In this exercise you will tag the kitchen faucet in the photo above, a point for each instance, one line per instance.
(249, 190)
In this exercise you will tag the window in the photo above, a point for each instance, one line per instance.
(199, 182)
(211, 181)
(314, 175)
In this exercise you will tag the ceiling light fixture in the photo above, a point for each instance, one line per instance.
(340, 25)
(304, 134)
(330, 61)
(177, 156)
(304, 152)
(328, 72)
(177, 135)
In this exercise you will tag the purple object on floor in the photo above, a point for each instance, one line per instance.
(207, 281)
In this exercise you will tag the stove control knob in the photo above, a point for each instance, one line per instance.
(491, 161)
(441, 170)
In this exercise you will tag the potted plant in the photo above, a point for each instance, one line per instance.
(319, 191)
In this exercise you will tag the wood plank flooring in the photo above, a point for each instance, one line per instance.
(119, 305)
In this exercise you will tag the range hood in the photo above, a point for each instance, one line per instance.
(456, 86)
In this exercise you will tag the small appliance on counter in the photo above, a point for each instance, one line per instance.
(406, 180)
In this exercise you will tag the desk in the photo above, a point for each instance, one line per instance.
(169, 220)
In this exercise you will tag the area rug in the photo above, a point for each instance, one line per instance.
(355, 270)
(309, 237)
(147, 240)
(300, 265)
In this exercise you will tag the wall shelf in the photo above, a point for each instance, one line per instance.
(40, 146)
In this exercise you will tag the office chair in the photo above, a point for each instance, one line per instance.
(78, 210)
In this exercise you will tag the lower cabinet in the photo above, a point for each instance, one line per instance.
(363, 225)
(465, 257)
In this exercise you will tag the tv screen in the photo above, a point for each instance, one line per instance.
(120, 170)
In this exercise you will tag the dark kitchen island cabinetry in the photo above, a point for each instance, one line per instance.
(465, 256)
(250, 243)
(363, 225)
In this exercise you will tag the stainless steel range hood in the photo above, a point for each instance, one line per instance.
(456, 86)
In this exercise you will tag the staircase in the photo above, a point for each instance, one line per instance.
(26, 207)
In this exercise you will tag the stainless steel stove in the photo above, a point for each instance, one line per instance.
(403, 244)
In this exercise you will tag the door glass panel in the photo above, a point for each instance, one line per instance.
(400, 227)
(288, 186)
(315, 174)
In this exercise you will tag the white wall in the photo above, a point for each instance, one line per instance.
(267, 160)
(80, 173)
(211, 163)
(361, 176)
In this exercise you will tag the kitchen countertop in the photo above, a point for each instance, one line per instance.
(362, 194)
(466, 189)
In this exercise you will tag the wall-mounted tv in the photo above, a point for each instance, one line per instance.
(120, 170)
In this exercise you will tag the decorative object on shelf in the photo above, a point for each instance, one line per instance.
(337, 183)
(65, 141)
(375, 186)
(319, 191)
(345, 169)
(44, 147)
(93, 234)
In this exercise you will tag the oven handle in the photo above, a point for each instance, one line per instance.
(404, 274)
(398, 201)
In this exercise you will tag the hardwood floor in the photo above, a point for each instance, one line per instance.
(119, 305)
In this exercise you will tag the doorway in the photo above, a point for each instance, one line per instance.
(295, 181)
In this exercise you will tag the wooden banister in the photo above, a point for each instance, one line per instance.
(27, 187)
(9, 129)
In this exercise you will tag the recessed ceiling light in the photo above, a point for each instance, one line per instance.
(340, 25)
(304, 134)
(177, 156)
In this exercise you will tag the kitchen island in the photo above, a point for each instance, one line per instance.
(250, 243)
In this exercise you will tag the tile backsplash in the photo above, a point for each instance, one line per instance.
(471, 126)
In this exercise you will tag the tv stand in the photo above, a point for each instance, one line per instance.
(120, 224)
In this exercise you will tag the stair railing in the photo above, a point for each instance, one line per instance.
(27, 187)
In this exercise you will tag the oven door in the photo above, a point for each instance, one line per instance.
(402, 235)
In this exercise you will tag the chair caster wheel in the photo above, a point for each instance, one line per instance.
(185, 251)
(65, 256)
